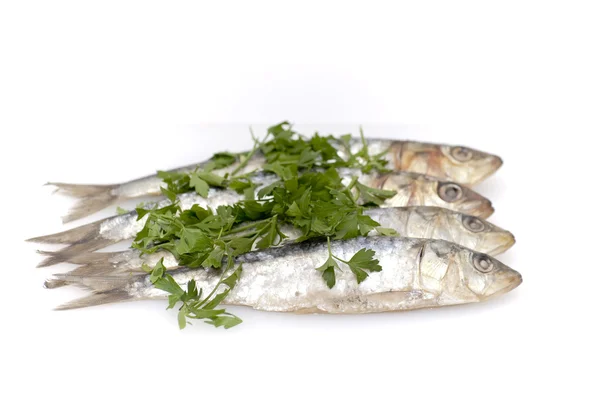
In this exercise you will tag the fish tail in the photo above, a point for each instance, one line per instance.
(75, 235)
(88, 258)
(73, 252)
(76, 276)
(97, 298)
(55, 283)
(92, 198)
(97, 283)
(105, 289)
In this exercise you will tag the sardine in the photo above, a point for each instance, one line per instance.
(416, 222)
(416, 273)
(452, 163)
(412, 190)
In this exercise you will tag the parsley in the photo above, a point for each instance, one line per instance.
(309, 195)
(362, 261)
(193, 304)
(373, 196)
(198, 180)
(328, 268)
(121, 211)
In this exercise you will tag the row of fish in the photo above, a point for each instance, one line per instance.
(442, 256)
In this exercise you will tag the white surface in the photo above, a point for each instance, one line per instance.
(100, 93)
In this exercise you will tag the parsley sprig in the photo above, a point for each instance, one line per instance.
(361, 261)
(309, 195)
(194, 306)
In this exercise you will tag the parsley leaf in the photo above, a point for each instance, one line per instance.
(273, 236)
(220, 160)
(121, 211)
(199, 185)
(374, 195)
(362, 261)
(171, 195)
(328, 271)
(388, 232)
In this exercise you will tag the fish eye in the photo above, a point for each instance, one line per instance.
(483, 263)
(450, 192)
(473, 224)
(461, 154)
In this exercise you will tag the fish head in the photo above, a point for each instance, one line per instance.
(414, 189)
(455, 163)
(452, 195)
(474, 276)
(476, 233)
(466, 165)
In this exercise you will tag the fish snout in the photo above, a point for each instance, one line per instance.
(504, 282)
(481, 207)
(499, 242)
(489, 166)
(487, 209)
(496, 163)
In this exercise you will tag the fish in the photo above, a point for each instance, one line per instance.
(452, 163)
(416, 222)
(416, 273)
(411, 190)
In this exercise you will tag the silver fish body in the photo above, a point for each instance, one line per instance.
(416, 273)
(412, 190)
(453, 163)
(416, 222)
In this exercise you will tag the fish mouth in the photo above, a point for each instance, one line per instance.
(508, 240)
(494, 164)
(515, 280)
(488, 210)
(480, 208)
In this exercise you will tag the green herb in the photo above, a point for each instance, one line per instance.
(286, 152)
(328, 268)
(121, 211)
(374, 196)
(193, 304)
(362, 261)
(388, 232)
(316, 202)
(198, 180)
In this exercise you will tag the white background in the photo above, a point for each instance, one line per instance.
(108, 91)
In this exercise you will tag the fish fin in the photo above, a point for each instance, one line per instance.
(75, 235)
(73, 251)
(97, 298)
(92, 198)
